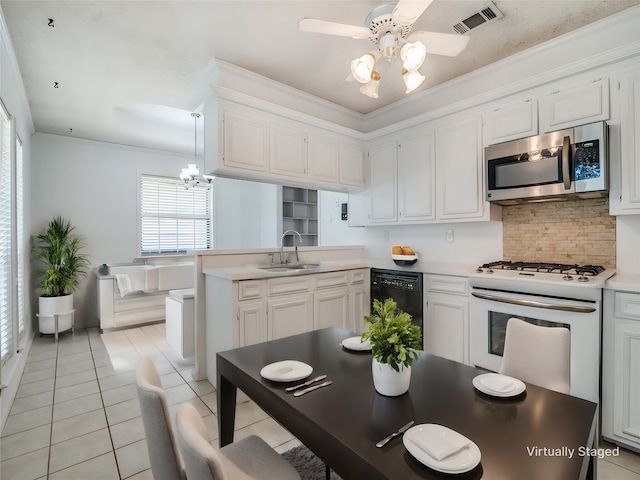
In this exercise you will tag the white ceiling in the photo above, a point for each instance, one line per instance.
(127, 71)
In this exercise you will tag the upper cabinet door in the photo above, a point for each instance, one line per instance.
(574, 104)
(245, 141)
(630, 145)
(288, 151)
(416, 178)
(383, 182)
(352, 165)
(323, 158)
(459, 165)
(511, 121)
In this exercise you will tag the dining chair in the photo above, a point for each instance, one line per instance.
(538, 355)
(250, 458)
(166, 462)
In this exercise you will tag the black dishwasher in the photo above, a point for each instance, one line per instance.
(405, 288)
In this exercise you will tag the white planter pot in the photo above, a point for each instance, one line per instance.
(389, 382)
(50, 306)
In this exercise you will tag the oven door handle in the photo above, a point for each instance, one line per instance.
(531, 303)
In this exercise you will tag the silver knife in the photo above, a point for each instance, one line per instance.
(305, 384)
(311, 389)
(385, 440)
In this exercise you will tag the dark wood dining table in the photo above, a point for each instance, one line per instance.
(341, 423)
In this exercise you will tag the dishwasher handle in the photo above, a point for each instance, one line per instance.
(535, 304)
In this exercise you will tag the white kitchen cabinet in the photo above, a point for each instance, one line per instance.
(331, 309)
(383, 182)
(244, 145)
(287, 151)
(621, 368)
(252, 323)
(416, 178)
(447, 318)
(289, 315)
(402, 179)
(245, 142)
(511, 121)
(323, 158)
(572, 103)
(459, 167)
(351, 166)
(628, 201)
(358, 308)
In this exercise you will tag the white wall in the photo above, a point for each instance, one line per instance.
(246, 214)
(94, 185)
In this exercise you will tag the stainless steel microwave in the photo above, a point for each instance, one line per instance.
(554, 166)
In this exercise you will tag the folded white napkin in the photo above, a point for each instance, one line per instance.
(498, 383)
(124, 283)
(440, 446)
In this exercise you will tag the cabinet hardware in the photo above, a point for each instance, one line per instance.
(557, 91)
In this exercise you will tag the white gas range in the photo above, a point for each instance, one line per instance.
(544, 294)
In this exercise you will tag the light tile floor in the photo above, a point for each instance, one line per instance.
(76, 414)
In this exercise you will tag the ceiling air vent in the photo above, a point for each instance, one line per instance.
(486, 14)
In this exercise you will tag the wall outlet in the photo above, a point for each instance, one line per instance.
(448, 235)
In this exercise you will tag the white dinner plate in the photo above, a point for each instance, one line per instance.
(286, 371)
(464, 460)
(498, 385)
(356, 343)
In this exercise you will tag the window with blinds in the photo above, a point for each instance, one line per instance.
(6, 213)
(20, 236)
(173, 219)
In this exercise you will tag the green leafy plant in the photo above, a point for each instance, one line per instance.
(394, 339)
(58, 248)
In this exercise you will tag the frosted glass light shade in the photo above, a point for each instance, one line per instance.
(413, 55)
(412, 80)
(370, 89)
(362, 67)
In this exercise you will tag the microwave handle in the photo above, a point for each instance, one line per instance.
(566, 146)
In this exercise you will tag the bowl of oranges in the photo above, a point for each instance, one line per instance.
(403, 255)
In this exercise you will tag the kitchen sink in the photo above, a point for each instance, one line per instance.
(290, 267)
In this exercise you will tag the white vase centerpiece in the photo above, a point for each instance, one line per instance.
(395, 343)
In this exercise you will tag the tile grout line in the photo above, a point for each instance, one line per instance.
(104, 408)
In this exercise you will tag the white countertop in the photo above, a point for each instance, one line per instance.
(252, 272)
(629, 282)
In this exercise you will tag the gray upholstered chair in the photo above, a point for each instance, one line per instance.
(538, 355)
(166, 462)
(249, 458)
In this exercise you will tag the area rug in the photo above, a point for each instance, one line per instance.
(308, 466)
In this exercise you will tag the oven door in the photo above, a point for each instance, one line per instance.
(490, 310)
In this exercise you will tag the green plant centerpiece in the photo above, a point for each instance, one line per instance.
(58, 251)
(395, 344)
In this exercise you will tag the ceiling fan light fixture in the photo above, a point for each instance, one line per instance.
(413, 55)
(370, 89)
(412, 80)
(362, 67)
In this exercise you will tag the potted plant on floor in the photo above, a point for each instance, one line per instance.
(58, 250)
(395, 343)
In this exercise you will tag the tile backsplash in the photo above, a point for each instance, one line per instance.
(575, 231)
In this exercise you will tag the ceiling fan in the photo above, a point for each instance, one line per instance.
(388, 26)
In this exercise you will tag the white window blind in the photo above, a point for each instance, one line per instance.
(173, 219)
(6, 191)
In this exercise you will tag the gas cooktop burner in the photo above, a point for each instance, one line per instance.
(545, 267)
(567, 270)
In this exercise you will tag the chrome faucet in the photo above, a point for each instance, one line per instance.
(282, 259)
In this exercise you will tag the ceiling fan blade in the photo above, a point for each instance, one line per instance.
(332, 28)
(408, 11)
(441, 43)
